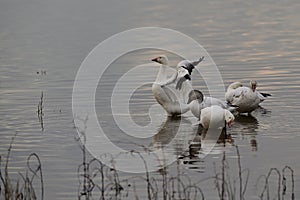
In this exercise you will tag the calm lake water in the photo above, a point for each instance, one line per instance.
(247, 40)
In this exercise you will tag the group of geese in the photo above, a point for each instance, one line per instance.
(176, 96)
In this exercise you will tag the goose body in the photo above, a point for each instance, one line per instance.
(197, 101)
(171, 93)
(247, 99)
(215, 116)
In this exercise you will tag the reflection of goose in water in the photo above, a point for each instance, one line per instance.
(173, 98)
(168, 130)
(174, 134)
(215, 135)
(203, 143)
(191, 158)
(247, 125)
(193, 161)
(246, 98)
(263, 111)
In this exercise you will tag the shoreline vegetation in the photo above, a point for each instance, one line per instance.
(25, 187)
(97, 181)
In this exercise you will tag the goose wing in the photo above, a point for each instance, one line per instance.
(184, 74)
(235, 96)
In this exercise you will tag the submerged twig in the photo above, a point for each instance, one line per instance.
(240, 173)
(40, 110)
(284, 181)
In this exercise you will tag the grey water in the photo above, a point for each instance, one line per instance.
(246, 39)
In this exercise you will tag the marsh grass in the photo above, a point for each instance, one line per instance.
(227, 185)
(97, 181)
(23, 188)
(280, 189)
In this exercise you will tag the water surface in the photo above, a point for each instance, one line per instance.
(247, 40)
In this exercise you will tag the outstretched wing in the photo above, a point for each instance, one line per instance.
(185, 71)
(195, 63)
(183, 75)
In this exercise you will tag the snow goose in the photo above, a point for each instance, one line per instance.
(246, 99)
(197, 101)
(215, 117)
(172, 99)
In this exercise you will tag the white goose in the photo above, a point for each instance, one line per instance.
(247, 99)
(172, 99)
(197, 101)
(216, 117)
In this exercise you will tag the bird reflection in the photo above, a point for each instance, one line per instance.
(169, 129)
(263, 111)
(219, 136)
(246, 119)
(178, 136)
(203, 142)
(173, 133)
(195, 146)
(192, 158)
(248, 125)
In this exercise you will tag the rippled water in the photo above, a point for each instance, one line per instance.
(247, 40)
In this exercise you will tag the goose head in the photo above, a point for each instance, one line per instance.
(229, 118)
(195, 95)
(161, 60)
(253, 85)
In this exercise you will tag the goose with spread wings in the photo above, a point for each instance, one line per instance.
(172, 93)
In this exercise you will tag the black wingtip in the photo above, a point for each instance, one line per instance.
(266, 94)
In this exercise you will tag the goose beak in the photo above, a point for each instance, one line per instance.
(229, 123)
(253, 87)
(154, 59)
